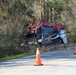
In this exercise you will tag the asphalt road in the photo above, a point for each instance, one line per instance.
(54, 63)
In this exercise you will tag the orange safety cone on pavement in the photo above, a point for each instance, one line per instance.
(75, 51)
(38, 58)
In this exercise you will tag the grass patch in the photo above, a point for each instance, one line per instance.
(13, 57)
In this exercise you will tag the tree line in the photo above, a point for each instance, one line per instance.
(15, 15)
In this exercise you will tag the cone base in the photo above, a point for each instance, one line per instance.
(38, 65)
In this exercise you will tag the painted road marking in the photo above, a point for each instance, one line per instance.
(28, 68)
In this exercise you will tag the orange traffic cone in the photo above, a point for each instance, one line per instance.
(38, 58)
(75, 51)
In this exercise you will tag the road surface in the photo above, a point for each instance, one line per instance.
(54, 63)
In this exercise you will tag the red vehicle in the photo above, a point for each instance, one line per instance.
(45, 33)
